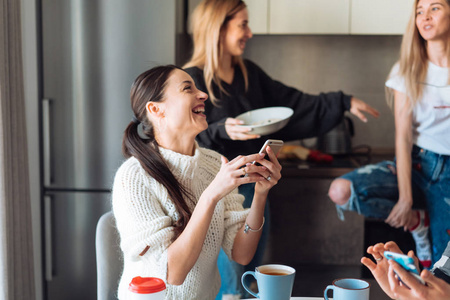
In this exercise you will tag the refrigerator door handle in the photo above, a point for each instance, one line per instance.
(46, 142)
(48, 238)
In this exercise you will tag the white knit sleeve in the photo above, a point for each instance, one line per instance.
(235, 216)
(141, 218)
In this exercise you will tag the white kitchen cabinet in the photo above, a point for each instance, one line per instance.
(380, 16)
(309, 16)
(258, 11)
(366, 17)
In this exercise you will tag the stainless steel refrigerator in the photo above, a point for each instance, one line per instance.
(91, 52)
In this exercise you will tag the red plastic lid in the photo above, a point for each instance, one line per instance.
(146, 285)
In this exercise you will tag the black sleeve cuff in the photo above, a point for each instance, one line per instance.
(439, 274)
(347, 102)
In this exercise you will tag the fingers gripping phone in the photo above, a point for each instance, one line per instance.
(275, 145)
(406, 262)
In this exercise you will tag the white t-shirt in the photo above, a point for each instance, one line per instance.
(431, 115)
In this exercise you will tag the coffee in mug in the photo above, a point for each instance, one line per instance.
(348, 289)
(275, 272)
(146, 288)
(274, 282)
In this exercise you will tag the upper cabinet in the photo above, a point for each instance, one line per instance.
(309, 16)
(258, 11)
(369, 17)
(380, 16)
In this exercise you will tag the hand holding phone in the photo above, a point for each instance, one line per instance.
(406, 262)
(275, 145)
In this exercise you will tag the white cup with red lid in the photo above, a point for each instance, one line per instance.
(146, 288)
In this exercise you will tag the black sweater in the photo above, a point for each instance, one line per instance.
(313, 114)
(442, 267)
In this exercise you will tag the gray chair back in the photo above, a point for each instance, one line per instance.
(109, 257)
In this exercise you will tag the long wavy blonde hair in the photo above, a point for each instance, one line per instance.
(208, 21)
(414, 61)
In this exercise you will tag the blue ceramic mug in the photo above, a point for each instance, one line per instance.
(348, 289)
(274, 282)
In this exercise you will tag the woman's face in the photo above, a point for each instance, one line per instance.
(236, 34)
(183, 105)
(433, 19)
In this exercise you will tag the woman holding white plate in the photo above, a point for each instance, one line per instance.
(235, 86)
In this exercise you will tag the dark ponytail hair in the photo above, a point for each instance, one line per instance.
(150, 86)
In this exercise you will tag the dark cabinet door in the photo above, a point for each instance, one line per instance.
(305, 228)
(70, 263)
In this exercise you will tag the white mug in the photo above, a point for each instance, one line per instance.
(348, 289)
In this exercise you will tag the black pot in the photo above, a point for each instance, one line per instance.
(339, 139)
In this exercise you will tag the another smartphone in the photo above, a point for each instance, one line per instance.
(406, 262)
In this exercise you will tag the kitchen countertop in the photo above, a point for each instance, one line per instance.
(340, 165)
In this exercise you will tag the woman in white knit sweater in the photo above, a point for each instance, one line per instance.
(177, 204)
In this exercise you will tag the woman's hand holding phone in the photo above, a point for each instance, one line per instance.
(434, 289)
(407, 263)
(379, 266)
(269, 167)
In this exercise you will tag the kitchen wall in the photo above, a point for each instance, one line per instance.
(357, 65)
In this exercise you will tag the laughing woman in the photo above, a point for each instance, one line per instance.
(176, 204)
(422, 140)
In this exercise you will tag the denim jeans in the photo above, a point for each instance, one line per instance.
(230, 271)
(374, 192)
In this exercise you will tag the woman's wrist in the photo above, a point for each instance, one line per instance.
(406, 200)
(209, 198)
(260, 196)
(248, 229)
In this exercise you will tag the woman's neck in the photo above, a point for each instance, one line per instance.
(226, 68)
(437, 53)
(180, 144)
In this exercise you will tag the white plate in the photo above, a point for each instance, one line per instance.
(267, 120)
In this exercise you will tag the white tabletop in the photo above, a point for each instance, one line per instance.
(300, 298)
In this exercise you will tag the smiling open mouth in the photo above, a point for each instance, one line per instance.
(198, 110)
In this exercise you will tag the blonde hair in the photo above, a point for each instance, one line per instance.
(414, 61)
(208, 21)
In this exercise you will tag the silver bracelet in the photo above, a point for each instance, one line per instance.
(247, 228)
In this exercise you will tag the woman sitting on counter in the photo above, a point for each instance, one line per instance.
(176, 204)
(234, 86)
(422, 124)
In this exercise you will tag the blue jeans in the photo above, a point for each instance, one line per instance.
(230, 271)
(374, 192)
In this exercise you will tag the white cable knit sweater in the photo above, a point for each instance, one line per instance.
(145, 216)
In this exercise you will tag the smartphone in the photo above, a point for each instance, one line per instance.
(276, 146)
(406, 262)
